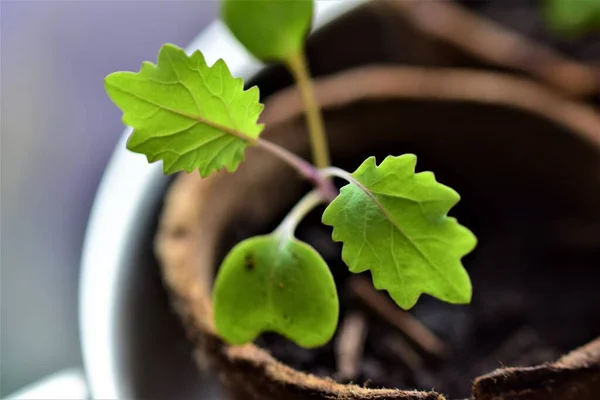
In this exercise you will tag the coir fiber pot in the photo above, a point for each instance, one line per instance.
(523, 158)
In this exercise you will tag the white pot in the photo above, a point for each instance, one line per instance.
(118, 282)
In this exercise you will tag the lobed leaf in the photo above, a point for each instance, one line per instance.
(278, 284)
(272, 30)
(397, 227)
(185, 113)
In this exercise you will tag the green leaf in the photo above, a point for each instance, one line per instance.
(185, 113)
(278, 284)
(272, 30)
(397, 226)
(572, 18)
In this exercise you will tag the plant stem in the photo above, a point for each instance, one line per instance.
(340, 173)
(306, 169)
(288, 226)
(302, 166)
(314, 119)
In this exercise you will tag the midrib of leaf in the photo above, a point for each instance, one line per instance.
(401, 197)
(395, 224)
(404, 198)
(197, 118)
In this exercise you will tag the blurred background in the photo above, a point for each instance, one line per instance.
(58, 129)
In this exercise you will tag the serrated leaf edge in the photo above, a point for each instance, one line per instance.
(146, 67)
(336, 235)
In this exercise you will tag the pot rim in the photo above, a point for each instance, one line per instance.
(127, 182)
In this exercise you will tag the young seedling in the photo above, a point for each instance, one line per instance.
(391, 220)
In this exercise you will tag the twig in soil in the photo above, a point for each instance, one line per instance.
(402, 320)
(401, 349)
(349, 346)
